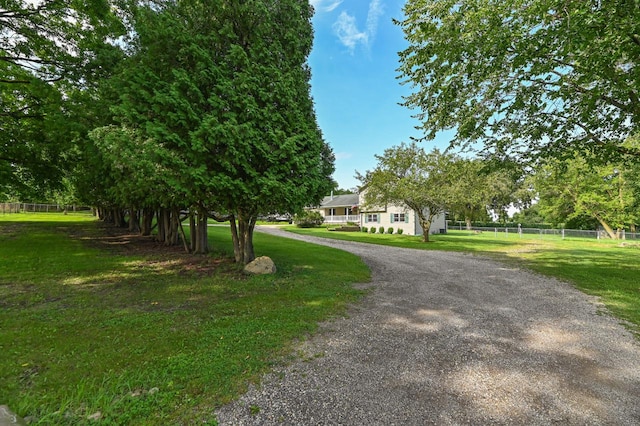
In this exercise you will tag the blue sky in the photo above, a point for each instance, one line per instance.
(354, 83)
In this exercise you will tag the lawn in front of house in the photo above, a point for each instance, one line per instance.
(605, 268)
(93, 327)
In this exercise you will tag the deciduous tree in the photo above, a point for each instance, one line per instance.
(408, 176)
(573, 189)
(50, 51)
(526, 77)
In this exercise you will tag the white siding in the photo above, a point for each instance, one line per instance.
(410, 226)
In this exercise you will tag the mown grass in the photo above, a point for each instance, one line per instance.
(605, 268)
(141, 339)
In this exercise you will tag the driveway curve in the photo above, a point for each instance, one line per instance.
(448, 339)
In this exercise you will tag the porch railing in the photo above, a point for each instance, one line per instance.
(342, 218)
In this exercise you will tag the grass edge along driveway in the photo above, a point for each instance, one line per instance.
(130, 338)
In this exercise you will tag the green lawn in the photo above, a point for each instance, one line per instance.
(135, 338)
(605, 268)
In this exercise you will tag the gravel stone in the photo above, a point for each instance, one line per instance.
(450, 339)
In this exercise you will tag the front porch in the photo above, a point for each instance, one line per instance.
(333, 219)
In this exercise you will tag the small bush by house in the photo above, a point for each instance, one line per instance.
(308, 219)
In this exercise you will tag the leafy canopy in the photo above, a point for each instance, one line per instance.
(526, 77)
(408, 176)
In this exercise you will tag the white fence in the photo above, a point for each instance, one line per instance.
(7, 208)
(560, 233)
(342, 218)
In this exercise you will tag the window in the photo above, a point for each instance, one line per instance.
(371, 217)
(399, 217)
(332, 212)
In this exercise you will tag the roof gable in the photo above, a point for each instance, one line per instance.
(345, 200)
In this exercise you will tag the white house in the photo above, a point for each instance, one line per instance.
(399, 217)
(342, 209)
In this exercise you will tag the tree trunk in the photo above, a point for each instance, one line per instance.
(242, 235)
(201, 232)
(107, 216)
(147, 221)
(612, 234)
(237, 253)
(467, 220)
(168, 226)
(192, 231)
(426, 226)
(134, 220)
(172, 222)
(425, 223)
(184, 237)
(249, 253)
(118, 218)
(161, 228)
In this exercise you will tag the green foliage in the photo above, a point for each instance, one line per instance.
(373, 230)
(390, 230)
(308, 219)
(477, 187)
(400, 231)
(574, 190)
(222, 90)
(408, 176)
(526, 77)
(381, 229)
(52, 53)
(364, 229)
(144, 339)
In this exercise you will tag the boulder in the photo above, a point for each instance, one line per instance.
(260, 266)
(9, 418)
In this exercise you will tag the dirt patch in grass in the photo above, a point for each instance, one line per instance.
(155, 255)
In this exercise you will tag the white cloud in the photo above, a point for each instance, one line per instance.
(347, 30)
(333, 5)
(376, 10)
(343, 155)
(318, 5)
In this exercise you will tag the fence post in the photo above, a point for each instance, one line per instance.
(563, 233)
(496, 229)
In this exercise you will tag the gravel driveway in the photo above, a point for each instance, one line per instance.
(448, 338)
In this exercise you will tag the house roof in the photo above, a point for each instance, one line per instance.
(346, 200)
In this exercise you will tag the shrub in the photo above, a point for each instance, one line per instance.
(373, 230)
(364, 229)
(390, 230)
(399, 231)
(381, 230)
(308, 219)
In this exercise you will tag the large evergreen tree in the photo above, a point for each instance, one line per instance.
(223, 89)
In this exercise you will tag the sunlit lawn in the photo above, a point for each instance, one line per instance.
(606, 268)
(139, 339)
